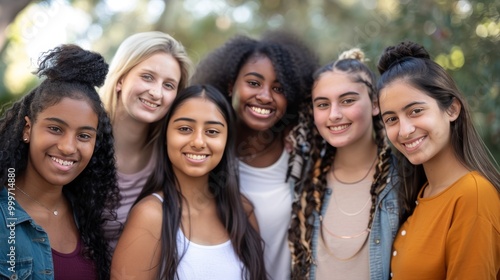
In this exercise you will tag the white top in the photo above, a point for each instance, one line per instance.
(206, 262)
(272, 200)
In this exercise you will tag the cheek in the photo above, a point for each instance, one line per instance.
(392, 133)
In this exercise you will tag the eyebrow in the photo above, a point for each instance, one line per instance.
(340, 96)
(404, 108)
(193, 121)
(150, 70)
(258, 75)
(61, 122)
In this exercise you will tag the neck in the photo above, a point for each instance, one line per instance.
(49, 196)
(354, 157)
(442, 171)
(258, 148)
(131, 139)
(195, 190)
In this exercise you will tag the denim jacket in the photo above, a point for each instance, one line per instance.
(384, 228)
(25, 251)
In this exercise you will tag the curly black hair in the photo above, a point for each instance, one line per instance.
(292, 59)
(70, 72)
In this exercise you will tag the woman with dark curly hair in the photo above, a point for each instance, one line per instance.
(266, 80)
(450, 182)
(58, 172)
(345, 216)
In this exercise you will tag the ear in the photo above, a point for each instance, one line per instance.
(454, 110)
(230, 90)
(375, 108)
(119, 85)
(27, 130)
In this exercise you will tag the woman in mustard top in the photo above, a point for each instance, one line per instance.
(451, 184)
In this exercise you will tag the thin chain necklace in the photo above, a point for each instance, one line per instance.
(55, 212)
(364, 177)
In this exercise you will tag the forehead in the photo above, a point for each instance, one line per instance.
(334, 83)
(398, 94)
(199, 109)
(257, 63)
(75, 112)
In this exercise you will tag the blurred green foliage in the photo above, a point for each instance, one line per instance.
(461, 35)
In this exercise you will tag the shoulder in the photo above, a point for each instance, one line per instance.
(476, 195)
(146, 214)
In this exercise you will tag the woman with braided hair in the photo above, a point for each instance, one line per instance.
(345, 215)
(266, 79)
(450, 182)
(57, 172)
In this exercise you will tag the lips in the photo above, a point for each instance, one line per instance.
(261, 111)
(413, 144)
(338, 127)
(149, 104)
(63, 162)
(196, 157)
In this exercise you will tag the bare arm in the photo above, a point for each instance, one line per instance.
(247, 205)
(137, 253)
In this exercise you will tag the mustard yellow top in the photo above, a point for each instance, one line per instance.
(452, 235)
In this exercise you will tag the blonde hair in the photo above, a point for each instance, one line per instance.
(354, 53)
(132, 51)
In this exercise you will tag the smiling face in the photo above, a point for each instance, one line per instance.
(196, 138)
(147, 90)
(343, 109)
(258, 95)
(415, 124)
(61, 142)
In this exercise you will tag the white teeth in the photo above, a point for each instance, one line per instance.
(338, 128)
(196, 157)
(63, 162)
(261, 111)
(414, 144)
(149, 103)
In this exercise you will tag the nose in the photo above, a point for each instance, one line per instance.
(156, 92)
(198, 140)
(335, 113)
(67, 144)
(406, 128)
(265, 96)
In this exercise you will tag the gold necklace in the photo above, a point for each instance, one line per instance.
(364, 177)
(367, 230)
(55, 212)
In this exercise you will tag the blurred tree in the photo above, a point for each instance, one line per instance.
(461, 35)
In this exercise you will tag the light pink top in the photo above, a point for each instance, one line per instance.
(130, 186)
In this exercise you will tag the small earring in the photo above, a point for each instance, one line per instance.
(25, 140)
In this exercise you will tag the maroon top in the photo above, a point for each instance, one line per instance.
(74, 265)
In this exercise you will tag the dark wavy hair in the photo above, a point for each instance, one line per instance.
(70, 72)
(410, 62)
(316, 159)
(223, 185)
(292, 59)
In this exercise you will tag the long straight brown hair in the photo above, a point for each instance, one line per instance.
(223, 185)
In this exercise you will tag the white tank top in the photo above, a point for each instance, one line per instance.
(206, 262)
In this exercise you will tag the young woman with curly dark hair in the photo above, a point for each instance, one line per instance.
(191, 221)
(266, 80)
(57, 169)
(346, 214)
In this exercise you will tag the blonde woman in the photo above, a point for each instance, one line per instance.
(145, 75)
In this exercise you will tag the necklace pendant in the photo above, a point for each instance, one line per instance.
(56, 213)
